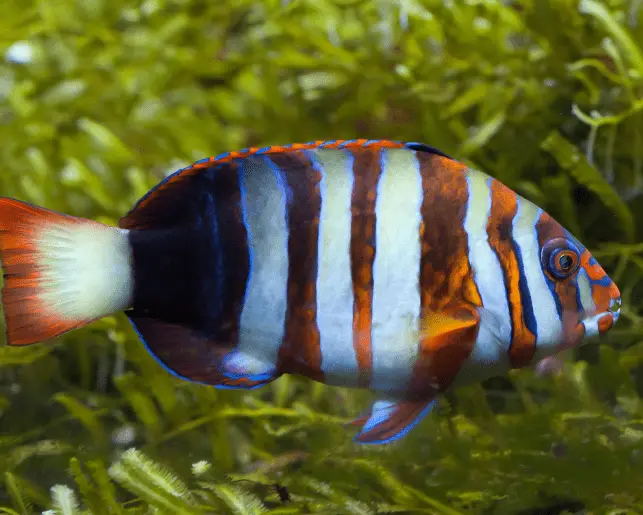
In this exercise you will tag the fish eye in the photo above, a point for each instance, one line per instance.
(560, 257)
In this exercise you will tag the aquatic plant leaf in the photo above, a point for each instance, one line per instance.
(105, 138)
(140, 401)
(64, 500)
(153, 482)
(22, 504)
(86, 416)
(616, 30)
(87, 490)
(483, 133)
(22, 356)
(237, 500)
(571, 159)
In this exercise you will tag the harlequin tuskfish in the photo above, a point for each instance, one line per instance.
(370, 264)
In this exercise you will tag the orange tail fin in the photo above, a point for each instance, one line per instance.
(60, 272)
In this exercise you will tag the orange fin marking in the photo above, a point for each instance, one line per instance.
(447, 339)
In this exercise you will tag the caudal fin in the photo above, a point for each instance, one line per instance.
(60, 272)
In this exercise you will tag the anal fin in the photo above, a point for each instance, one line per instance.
(390, 420)
(238, 365)
(189, 355)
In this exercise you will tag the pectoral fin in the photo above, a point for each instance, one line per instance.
(390, 420)
(447, 339)
(441, 324)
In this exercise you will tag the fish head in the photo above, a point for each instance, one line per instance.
(587, 301)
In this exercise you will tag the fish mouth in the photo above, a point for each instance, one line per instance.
(595, 325)
(598, 324)
(615, 308)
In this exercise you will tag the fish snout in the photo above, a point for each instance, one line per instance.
(615, 307)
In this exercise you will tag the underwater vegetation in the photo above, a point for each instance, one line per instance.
(99, 100)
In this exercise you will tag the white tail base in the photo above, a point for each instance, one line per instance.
(86, 270)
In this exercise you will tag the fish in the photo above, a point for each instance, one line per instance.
(372, 264)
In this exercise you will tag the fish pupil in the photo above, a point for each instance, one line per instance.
(565, 262)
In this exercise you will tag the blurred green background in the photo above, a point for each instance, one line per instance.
(100, 99)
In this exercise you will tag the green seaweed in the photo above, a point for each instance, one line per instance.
(545, 95)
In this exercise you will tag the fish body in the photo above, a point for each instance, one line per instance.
(368, 264)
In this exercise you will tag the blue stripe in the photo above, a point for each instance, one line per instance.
(605, 281)
(222, 156)
(241, 163)
(552, 289)
(579, 302)
(263, 150)
(202, 161)
(314, 161)
(525, 295)
(347, 142)
(211, 216)
(281, 181)
(550, 283)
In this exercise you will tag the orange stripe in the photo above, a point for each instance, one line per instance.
(446, 277)
(499, 230)
(300, 351)
(366, 172)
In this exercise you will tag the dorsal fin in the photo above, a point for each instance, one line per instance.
(422, 147)
(171, 199)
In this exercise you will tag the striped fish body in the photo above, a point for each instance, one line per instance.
(367, 264)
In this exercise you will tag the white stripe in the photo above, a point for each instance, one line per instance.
(585, 289)
(548, 324)
(334, 285)
(396, 270)
(263, 203)
(489, 355)
(591, 325)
